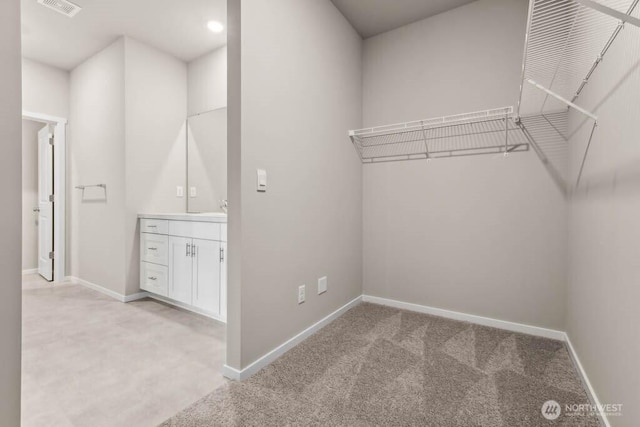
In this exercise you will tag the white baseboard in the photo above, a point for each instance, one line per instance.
(105, 291)
(98, 288)
(585, 379)
(186, 307)
(455, 315)
(136, 296)
(140, 295)
(232, 373)
(30, 271)
(239, 375)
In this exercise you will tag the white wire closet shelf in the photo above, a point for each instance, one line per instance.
(481, 132)
(566, 42)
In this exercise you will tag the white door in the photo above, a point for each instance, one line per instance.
(180, 269)
(206, 275)
(45, 206)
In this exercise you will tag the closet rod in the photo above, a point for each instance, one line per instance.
(611, 12)
(559, 98)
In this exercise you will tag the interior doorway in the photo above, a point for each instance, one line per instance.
(44, 148)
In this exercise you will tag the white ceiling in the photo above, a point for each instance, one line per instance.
(177, 27)
(372, 17)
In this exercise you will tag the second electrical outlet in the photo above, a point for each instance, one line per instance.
(322, 285)
(301, 294)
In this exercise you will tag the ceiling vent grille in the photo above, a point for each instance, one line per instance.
(62, 6)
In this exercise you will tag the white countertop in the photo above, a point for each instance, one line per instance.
(200, 217)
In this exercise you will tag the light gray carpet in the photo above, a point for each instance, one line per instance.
(381, 366)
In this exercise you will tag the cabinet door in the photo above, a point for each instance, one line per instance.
(180, 269)
(206, 275)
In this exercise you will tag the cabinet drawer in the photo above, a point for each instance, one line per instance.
(158, 226)
(196, 230)
(153, 278)
(154, 248)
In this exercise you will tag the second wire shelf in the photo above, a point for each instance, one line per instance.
(482, 132)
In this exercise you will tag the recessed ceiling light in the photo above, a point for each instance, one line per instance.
(215, 26)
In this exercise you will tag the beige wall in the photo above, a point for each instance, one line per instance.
(10, 212)
(602, 306)
(128, 110)
(45, 89)
(30, 193)
(300, 94)
(97, 155)
(155, 155)
(208, 82)
(234, 184)
(484, 235)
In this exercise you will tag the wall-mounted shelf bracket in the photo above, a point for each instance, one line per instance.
(82, 187)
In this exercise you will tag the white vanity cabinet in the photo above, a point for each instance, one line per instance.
(181, 269)
(184, 262)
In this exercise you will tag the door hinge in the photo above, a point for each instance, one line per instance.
(51, 139)
(51, 198)
(51, 255)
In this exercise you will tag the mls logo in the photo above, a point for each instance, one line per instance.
(551, 409)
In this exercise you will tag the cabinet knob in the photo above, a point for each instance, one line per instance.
(152, 278)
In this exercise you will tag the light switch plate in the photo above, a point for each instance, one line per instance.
(262, 180)
(179, 191)
(193, 192)
(322, 285)
(301, 296)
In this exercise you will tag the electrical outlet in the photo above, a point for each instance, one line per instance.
(193, 192)
(179, 191)
(301, 294)
(322, 285)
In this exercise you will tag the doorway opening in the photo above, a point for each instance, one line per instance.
(43, 195)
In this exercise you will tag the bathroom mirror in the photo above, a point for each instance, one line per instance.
(207, 161)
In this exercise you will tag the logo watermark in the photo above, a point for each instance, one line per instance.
(551, 410)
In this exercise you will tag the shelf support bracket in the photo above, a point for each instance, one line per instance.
(555, 175)
(424, 136)
(586, 153)
(561, 99)
(607, 45)
(506, 135)
(609, 11)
